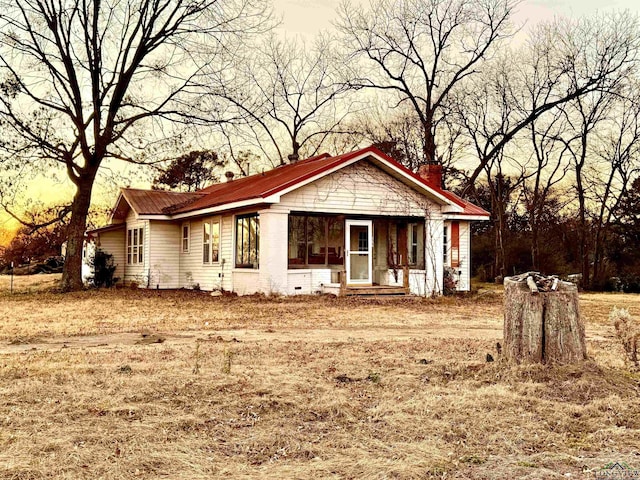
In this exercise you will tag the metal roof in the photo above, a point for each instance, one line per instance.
(260, 186)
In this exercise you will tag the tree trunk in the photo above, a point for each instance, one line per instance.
(542, 328)
(72, 272)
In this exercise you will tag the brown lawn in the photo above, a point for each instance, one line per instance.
(301, 388)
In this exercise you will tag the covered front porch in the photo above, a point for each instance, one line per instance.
(363, 255)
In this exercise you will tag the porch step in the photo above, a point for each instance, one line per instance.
(376, 290)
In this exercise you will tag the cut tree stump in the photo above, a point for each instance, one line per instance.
(542, 322)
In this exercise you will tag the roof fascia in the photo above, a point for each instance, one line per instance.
(482, 218)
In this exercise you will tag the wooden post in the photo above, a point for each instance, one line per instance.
(542, 326)
(405, 277)
(343, 282)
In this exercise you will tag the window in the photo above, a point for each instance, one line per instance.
(247, 241)
(415, 242)
(206, 242)
(185, 237)
(445, 244)
(455, 244)
(211, 241)
(135, 246)
(316, 240)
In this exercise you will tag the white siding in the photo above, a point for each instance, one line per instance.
(192, 271)
(164, 262)
(138, 273)
(360, 189)
(114, 244)
(464, 269)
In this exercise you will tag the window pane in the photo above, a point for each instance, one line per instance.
(253, 240)
(359, 266)
(185, 238)
(206, 242)
(238, 241)
(336, 241)
(357, 234)
(316, 240)
(297, 243)
(416, 245)
(215, 241)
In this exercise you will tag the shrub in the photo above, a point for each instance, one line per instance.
(103, 270)
(627, 332)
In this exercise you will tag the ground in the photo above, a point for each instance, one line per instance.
(305, 387)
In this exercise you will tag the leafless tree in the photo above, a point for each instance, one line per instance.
(614, 166)
(543, 172)
(290, 96)
(84, 81)
(564, 61)
(423, 51)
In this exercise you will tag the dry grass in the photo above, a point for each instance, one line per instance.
(314, 388)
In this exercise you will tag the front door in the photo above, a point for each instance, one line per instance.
(359, 245)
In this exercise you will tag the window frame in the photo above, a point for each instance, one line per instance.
(327, 219)
(211, 246)
(135, 246)
(185, 226)
(412, 231)
(239, 235)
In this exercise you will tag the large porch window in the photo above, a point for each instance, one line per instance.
(406, 243)
(316, 240)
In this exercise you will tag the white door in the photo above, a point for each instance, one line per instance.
(359, 246)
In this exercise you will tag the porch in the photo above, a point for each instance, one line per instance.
(360, 256)
(343, 289)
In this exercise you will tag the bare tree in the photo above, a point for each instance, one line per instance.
(424, 51)
(290, 96)
(564, 61)
(83, 81)
(614, 166)
(543, 172)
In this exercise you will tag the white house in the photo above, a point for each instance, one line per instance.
(358, 222)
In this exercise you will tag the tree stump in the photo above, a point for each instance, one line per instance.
(542, 325)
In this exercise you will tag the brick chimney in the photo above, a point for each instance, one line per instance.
(432, 174)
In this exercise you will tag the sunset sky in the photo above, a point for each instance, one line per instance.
(307, 18)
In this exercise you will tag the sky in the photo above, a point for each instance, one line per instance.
(308, 17)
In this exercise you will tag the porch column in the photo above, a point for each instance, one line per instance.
(434, 265)
(274, 237)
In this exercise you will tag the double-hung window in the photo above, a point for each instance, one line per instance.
(135, 246)
(186, 234)
(210, 241)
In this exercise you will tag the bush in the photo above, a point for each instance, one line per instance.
(627, 331)
(103, 270)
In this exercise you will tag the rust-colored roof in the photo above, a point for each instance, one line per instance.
(262, 185)
(157, 202)
(470, 209)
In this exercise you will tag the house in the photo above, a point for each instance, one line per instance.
(338, 224)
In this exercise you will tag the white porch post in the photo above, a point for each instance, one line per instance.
(274, 237)
(434, 265)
